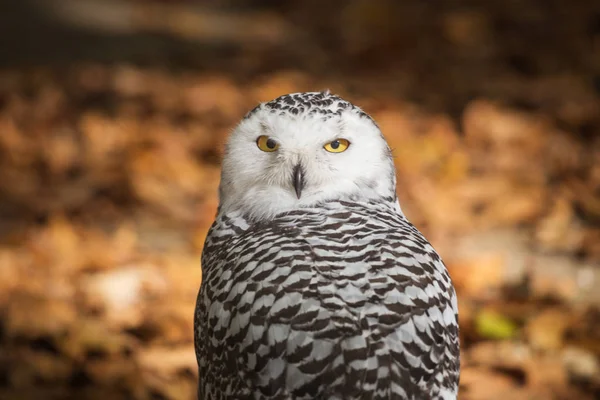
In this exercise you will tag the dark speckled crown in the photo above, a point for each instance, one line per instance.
(322, 104)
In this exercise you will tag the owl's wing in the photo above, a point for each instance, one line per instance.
(418, 328)
(418, 315)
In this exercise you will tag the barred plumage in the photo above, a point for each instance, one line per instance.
(336, 297)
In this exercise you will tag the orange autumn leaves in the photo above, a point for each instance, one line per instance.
(109, 177)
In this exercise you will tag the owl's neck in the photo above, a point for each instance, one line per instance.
(266, 206)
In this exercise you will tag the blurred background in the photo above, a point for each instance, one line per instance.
(113, 115)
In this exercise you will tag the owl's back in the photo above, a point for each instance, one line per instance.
(345, 300)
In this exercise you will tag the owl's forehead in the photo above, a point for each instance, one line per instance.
(308, 114)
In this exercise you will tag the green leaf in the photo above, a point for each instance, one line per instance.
(492, 325)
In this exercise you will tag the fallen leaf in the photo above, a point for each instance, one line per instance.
(492, 325)
(546, 331)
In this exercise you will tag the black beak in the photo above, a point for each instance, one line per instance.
(298, 180)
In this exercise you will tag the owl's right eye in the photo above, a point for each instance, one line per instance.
(267, 144)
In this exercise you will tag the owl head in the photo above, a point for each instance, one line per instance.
(303, 149)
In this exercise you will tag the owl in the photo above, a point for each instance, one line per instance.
(314, 283)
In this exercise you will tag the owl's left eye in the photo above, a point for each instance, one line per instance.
(337, 146)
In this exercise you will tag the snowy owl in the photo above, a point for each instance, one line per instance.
(315, 285)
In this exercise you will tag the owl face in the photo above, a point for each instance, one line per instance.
(302, 149)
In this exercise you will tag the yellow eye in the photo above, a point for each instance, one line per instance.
(337, 146)
(266, 143)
